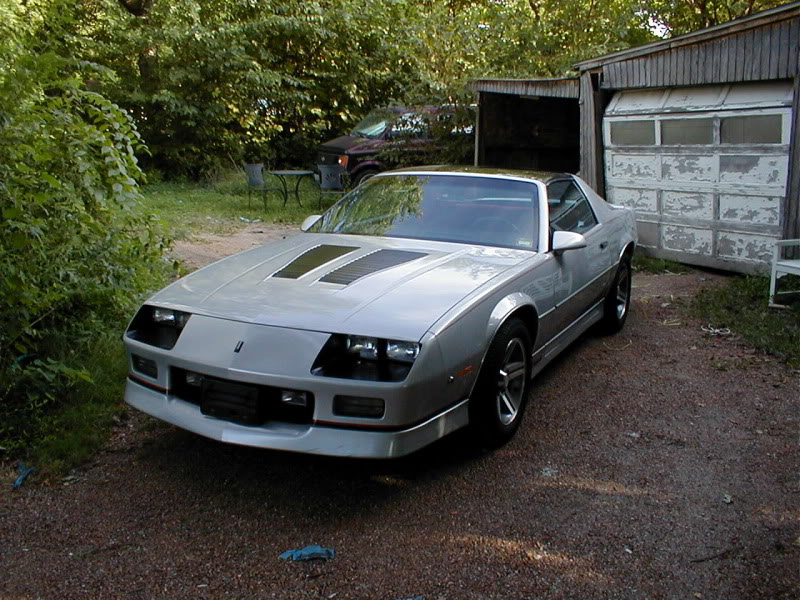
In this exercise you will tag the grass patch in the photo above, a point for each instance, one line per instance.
(77, 429)
(741, 305)
(189, 209)
(649, 264)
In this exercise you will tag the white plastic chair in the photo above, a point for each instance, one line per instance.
(780, 267)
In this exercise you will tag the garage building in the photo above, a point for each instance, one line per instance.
(698, 133)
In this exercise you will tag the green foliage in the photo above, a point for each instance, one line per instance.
(75, 249)
(676, 17)
(741, 305)
(215, 83)
(77, 427)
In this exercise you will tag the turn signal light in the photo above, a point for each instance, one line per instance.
(356, 406)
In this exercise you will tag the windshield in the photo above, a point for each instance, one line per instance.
(470, 209)
(375, 123)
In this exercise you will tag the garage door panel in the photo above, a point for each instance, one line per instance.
(649, 233)
(634, 166)
(641, 200)
(687, 204)
(689, 167)
(749, 209)
(692, 240)
(744, 246)
(754, 169)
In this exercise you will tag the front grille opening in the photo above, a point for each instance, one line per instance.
(243, 403)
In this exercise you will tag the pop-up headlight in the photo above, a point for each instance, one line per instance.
(157, 326)
(402, 351)
(364, 347)
(366, 358)
(173, 318)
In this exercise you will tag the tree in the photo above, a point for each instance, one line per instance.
(74, 248)
(675, 17)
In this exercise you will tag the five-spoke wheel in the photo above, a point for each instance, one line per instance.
(501, 393)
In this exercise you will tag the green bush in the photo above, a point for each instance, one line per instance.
(75, 246)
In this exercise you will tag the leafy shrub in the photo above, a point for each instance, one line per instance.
(75, 247)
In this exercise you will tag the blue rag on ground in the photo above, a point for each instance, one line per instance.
(309, 553)
(23, 474)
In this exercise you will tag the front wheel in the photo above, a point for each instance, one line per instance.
(501, 392)
(618, 300)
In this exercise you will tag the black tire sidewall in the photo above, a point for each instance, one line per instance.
(610, 322)
(484, 419)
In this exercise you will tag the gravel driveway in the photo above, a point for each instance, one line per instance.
(660, 463)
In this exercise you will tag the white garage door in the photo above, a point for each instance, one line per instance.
(705, 168)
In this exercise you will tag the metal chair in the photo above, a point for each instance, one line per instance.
(255, 182)
(782, 266)
(332, 180)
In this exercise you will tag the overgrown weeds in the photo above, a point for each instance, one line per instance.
(225, 205)
(741, 305)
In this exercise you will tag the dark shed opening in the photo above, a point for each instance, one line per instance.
(529, 132)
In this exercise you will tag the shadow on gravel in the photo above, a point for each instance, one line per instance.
(307, 484)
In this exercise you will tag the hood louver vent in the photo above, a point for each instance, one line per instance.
(371, 263)
(311, 259)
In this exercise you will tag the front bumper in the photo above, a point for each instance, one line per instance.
(311, 438)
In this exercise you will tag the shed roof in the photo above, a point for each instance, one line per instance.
(562, 87)
(774, 15)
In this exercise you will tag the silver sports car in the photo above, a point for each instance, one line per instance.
(424, 301)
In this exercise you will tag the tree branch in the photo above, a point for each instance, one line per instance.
(137, 8)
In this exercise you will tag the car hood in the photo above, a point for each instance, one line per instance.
(352, 144)
(384, 287)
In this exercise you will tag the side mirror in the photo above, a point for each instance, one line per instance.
(567, 240)
(309, 221)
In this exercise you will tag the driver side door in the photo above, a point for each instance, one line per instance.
(579, 279)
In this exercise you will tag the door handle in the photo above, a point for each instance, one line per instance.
(603, 245)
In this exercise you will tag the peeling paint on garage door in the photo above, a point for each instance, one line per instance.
(705, 169)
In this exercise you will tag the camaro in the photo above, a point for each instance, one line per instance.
(422, 302)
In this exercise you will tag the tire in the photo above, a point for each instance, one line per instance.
(617, 304)
(363, 176)
(500, 395)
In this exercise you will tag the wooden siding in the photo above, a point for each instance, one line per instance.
(549, 88)
(768, 18)
(591, 143)
(768, 52)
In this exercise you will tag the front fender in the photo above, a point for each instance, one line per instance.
(503, 311)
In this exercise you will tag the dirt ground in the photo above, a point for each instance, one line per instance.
(660, 463)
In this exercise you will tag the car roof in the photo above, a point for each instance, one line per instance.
(542, 176)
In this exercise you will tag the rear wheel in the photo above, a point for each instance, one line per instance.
(618, 300)
(501, 392)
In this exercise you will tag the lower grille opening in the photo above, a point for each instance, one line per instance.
(243, 403)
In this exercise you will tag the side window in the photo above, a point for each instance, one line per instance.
(569, 208)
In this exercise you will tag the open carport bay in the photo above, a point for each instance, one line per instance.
(657, 463)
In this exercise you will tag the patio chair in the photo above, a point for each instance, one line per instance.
(256, 183)
(332, 180)
(783, 266)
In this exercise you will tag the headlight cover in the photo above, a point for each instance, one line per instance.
(158, 326)
(366, 358)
